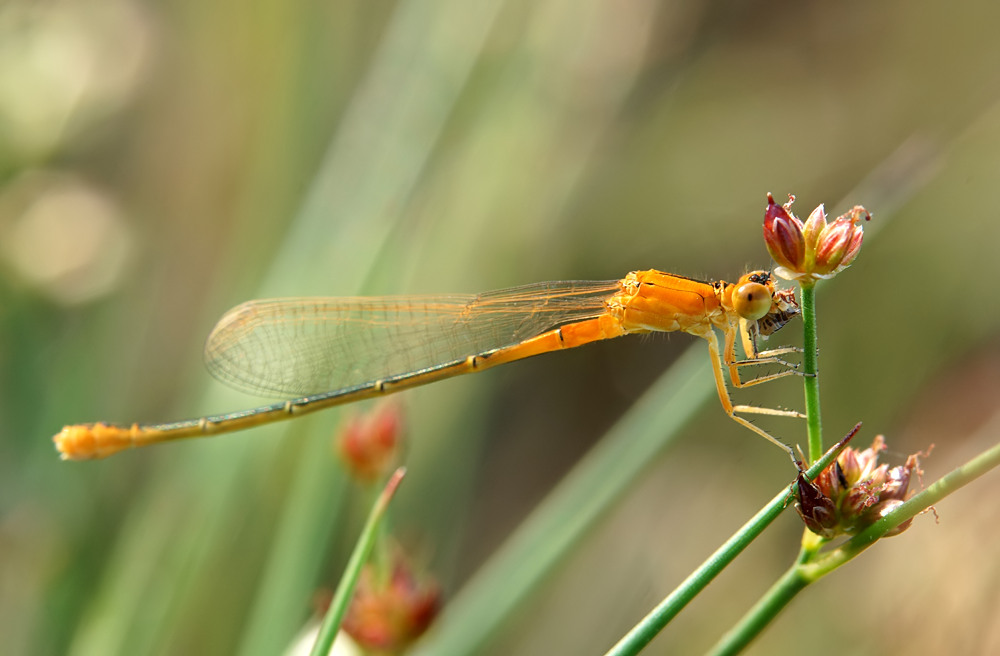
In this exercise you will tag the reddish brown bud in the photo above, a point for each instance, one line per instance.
(387, 615)
(817, 510)
(369, 444)
(815, 249)
(782, 235)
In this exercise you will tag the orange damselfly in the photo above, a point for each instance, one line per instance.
(322, 352)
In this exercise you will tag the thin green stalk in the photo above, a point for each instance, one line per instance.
(803, 573)
(765, 610)
(345, 589)
(811, 544)
(643, 632)
(810, 367)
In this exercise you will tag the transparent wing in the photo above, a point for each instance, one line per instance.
(300, 346)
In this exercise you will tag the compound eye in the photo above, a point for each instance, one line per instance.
(752, 301)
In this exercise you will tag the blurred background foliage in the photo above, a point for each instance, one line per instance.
(160, 163)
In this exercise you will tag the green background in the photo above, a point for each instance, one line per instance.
(160, 163)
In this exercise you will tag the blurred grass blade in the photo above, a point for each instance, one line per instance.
(338, 234)
(580, 499)
(345, 589)
(382, 147)
(423, 65)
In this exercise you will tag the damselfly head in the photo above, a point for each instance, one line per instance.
(755, 299)
(752, 295)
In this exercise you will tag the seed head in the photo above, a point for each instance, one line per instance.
(854, 492)
(387, 615)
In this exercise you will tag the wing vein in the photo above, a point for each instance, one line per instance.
(300, 346)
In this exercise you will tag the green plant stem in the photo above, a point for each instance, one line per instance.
(345, 589)
(803, 573)
(647, 629)
(765, 610)
(810, 367)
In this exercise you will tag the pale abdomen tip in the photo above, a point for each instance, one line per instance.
(89, 441)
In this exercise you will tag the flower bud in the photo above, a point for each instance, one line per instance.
(783, 234)
(815, 249)
(817, 510)
(369, 444)
(388, 613)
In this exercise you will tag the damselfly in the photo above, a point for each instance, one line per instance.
(322, 352)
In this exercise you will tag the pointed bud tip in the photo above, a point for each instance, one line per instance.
(783, 235)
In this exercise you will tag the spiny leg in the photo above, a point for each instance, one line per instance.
(770, 357)
(765, 357)
(729, 357)
(739, 384)
(778, 351)
(727, 403)
(748, 335)
(755, 357)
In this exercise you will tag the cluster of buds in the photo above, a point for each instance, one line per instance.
(393, 603)
(369, 445)
(813, 250)
(387, 613)
(854, 492)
